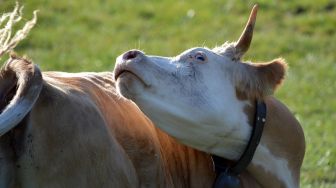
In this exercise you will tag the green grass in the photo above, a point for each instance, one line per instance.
(87, 35)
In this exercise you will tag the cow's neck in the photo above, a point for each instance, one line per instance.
(191, 166)
(268, 167)
(265, 169)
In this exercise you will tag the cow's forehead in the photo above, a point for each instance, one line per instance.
(197, 49)
(207, 51)
(210, 54)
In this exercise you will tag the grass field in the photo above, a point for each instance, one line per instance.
(87, 35)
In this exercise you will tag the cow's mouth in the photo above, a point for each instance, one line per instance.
(119, 73)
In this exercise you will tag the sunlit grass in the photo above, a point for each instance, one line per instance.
(86, 35)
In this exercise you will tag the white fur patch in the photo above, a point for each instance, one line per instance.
(274, 165)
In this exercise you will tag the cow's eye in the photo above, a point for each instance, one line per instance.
(200, 56)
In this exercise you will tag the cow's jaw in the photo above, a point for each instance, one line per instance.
(184, 99)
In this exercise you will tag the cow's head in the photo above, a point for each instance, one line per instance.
(199, 96)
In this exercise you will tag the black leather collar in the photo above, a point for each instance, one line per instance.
(228, 175)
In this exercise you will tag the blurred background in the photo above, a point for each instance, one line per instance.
(88, 35)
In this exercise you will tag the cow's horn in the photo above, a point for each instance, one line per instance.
(245, 38)
(28, 79)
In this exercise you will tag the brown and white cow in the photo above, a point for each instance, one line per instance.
(205, 98)
(62, 130)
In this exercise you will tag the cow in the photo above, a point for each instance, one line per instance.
(205, 99)
(63, 130)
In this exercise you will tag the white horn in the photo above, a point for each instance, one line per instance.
(243, 44)
(29, 84)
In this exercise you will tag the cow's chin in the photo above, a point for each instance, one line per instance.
(129, 85)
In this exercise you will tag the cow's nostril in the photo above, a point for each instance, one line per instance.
(131, 54)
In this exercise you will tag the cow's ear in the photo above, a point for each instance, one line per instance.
(272, 73)
(262, 79)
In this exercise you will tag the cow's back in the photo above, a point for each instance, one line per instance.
(130, 128)
(65, 141)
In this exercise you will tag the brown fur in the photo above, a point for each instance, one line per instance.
(259, 79)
